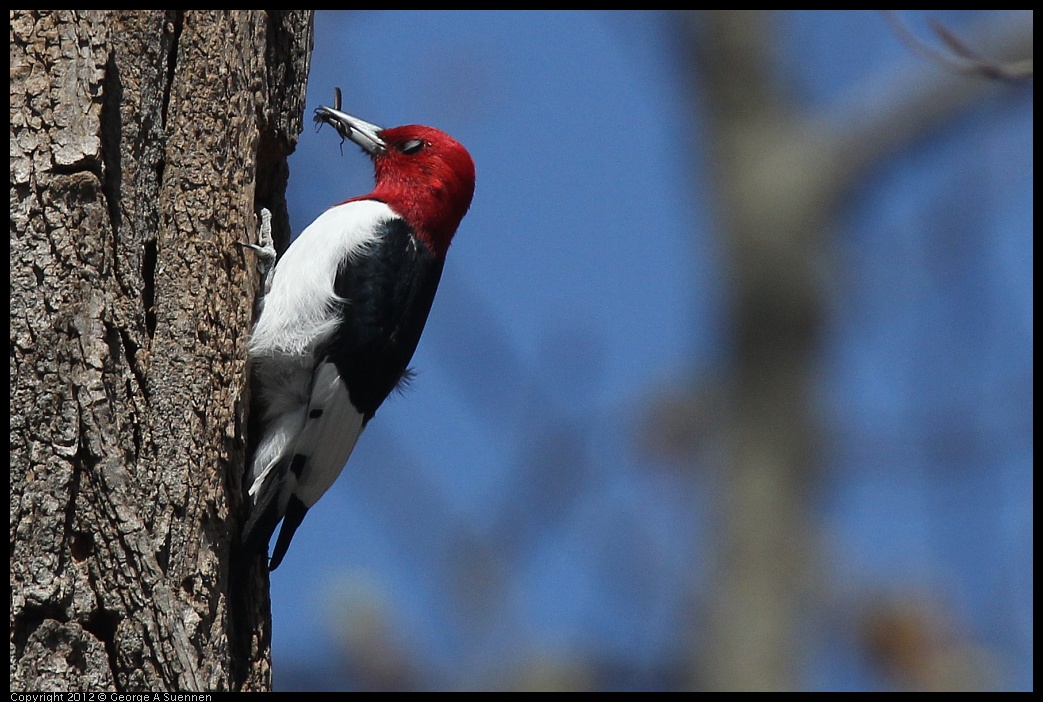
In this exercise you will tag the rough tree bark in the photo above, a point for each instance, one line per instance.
(142, 145)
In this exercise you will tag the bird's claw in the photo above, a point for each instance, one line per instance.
(264, 248)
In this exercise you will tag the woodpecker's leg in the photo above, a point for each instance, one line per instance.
(265, 250)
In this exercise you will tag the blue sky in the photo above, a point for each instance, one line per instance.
(585, 279)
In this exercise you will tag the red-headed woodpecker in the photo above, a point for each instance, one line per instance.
(342, 314)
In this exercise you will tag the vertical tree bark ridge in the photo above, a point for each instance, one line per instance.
(140, 141)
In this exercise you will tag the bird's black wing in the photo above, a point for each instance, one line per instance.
(387, 295)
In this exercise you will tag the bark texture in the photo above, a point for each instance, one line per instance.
(142, 145)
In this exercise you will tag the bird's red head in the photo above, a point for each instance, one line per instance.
(422, 173)
(428, 177)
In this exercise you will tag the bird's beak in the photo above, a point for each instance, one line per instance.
(359, 131)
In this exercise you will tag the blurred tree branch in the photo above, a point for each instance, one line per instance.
(780, 176)
(866, 131)
(960, 57)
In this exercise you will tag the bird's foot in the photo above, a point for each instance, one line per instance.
(264, 248)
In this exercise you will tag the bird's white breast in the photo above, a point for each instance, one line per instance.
(300, 309)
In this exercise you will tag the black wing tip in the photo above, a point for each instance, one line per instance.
(295, 512)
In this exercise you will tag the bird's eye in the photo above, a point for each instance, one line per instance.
(412, 146)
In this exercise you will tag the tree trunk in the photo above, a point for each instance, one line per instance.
(142, 145)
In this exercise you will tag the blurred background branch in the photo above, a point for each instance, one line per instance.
(960, 57)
